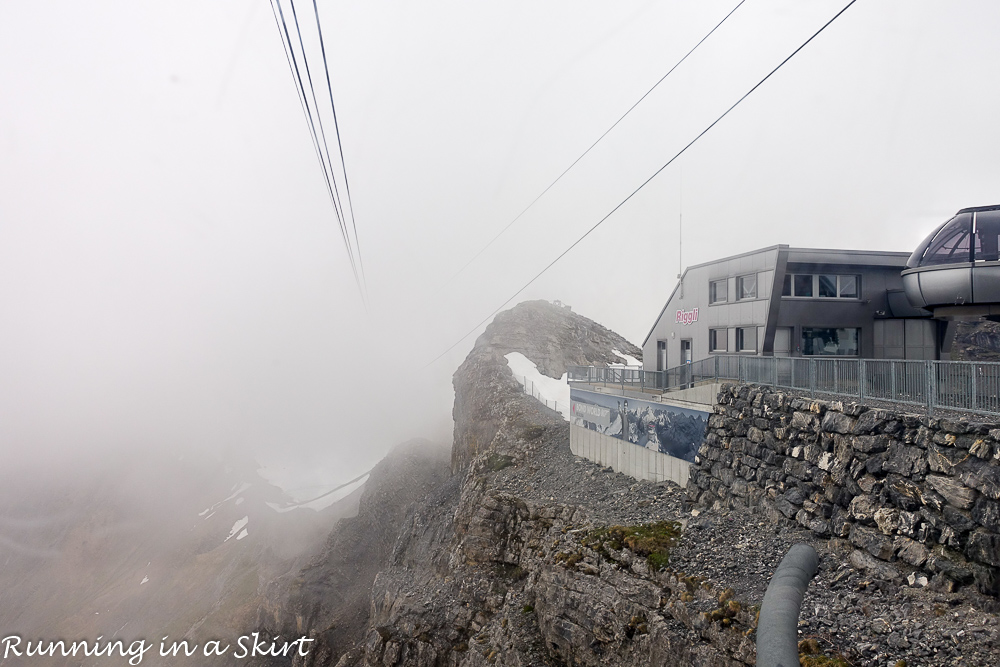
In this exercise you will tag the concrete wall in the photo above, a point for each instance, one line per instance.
(626, 457)
(917, 498)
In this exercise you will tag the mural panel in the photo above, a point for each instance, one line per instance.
(670, 430)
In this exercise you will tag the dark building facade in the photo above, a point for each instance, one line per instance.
(784, 301)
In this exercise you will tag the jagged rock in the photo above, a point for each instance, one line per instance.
(987, 513)
(838, 422)
(863, 508)
(911, 552)
(874, 566)
(870, 444)
(953, 491)
(873, 542)
(984, 547)
(905, 460)
(887, 520)
(981, 476)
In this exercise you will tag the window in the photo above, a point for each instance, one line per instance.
(824, 286)
(849, 287)
(987, 229)
(718, 292)
(746, 339)
(802, 285)
(842, 342)
(828, 286)
(951, 244)
(717, 339)
(746, 287)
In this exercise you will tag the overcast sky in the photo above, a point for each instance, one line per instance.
(171, 274)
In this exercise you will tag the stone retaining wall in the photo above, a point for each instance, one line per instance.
(915, 495)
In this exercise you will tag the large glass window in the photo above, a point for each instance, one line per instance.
(717, 340)
(746, 339)
(842, 342)
(987, 225)
(951, 244)
(824, 286)
(849, 288)
(746, 287)
(802, 285)
(717, 292)
(828, 286)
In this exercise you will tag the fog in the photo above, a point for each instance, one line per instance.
(172, 278)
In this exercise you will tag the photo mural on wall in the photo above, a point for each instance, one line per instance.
(670, 430)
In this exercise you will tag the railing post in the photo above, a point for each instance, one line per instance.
(774, 372)
(812, 378)
(861, 379)
(892, 373)
(717, 368)
(929, 386)
(972, 379)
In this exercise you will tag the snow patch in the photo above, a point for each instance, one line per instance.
(239, 501)
(237, 527)
(549, 391)
(630, 361)
(243, 533)
(144, 580)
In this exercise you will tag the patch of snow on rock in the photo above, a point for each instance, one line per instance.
(630, 361)
(553, 393)
(237, 527)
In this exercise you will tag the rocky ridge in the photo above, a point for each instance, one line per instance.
(515, 559)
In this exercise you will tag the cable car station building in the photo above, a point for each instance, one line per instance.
(797, 302)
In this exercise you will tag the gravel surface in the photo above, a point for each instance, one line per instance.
(846, 611)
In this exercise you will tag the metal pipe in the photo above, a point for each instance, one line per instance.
(777, 628)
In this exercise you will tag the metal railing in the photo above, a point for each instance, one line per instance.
(966, 386)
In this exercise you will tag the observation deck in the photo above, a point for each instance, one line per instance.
(955, 272)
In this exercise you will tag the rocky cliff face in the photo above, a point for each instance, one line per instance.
(527, 555)
(489, 402)
(513, 562)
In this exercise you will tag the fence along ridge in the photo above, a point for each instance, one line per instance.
(964, 386)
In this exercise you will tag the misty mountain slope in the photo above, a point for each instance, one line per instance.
(328, 596)
(147, 546)
(487, 397)
(493, 574)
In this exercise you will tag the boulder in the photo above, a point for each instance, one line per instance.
(953, 491)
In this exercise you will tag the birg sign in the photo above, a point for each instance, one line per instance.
(687, 316)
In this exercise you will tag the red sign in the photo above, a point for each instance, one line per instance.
(687, 316)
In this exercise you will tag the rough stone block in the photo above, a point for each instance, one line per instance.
(863, 508)
(887, 520)
(911, 551)
(871, 444)
(953, 491)
(960, 521)
(873, 542)
(837, 422)
(876, 568)
(805, 421)
(904, 493)
(905, 460)
(984, 547)
(981, 476)
(987, 513)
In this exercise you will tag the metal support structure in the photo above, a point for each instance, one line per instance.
(777, 636)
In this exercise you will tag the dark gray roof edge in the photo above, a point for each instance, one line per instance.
(846, 257)
(977, 209)
(742, 254)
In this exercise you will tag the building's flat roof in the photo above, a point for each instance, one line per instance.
(867, 257)
(820, 256)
